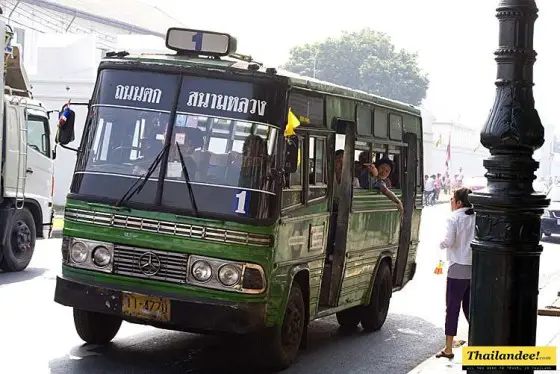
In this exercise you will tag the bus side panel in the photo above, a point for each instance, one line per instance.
(373, 229)
(302, 239)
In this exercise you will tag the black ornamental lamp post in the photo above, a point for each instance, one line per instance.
(506, 248)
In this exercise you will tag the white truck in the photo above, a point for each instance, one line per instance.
(26, 164)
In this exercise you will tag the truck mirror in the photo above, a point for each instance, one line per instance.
(292, 152)
(65, 131)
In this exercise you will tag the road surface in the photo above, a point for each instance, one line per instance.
(37, 335)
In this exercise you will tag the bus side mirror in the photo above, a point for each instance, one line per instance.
(292, 152)
(65, 130)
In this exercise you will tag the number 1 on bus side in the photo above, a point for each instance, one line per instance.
(197, 39)
(241, 199)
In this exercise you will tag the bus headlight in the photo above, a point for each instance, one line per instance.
(226, 275)
(101, 256)
(201, 271)
(87, 254)
(229, 275)
(79, 252)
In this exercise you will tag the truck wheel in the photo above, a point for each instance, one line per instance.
(96, 328)
(282, 343)
(349, 318)
(375, 313)
(20, 242)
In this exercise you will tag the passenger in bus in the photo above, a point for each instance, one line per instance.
(253, 166)
(367, 170)
(193, 140)
(381, 181)
(338, 162)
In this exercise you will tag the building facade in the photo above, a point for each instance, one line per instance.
(63, 42)
(466, 151)
(468, 154)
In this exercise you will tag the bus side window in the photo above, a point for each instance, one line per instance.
(317, 167)
(293, 191)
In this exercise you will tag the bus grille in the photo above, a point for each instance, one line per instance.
(168, 228)
(170, 266)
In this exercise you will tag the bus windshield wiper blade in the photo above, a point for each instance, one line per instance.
(136, 188)
(188, 180)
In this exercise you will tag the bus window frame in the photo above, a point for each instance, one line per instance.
(296, 187)
(320, 186)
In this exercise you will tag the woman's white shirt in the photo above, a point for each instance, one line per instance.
(458, 237)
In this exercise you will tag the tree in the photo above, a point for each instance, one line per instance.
(366, 60)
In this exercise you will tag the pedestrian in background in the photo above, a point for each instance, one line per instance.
(457, 241)
(428, 190)
(437, 185)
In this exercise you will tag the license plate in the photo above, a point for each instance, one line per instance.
(558, 222)
(147, 307)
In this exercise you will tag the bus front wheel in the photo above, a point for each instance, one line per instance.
(282, 342)
(375, 313)
(20, 243)
(96, 328)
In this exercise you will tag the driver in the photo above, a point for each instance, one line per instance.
(194, 139)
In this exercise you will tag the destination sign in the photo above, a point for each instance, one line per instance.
(138, 89)
(200, 42)
(257, 102)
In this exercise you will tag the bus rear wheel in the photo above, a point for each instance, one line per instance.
(282, 342)
(96, 328)
(375, 313)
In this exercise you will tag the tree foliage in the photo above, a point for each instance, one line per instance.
(366, 60)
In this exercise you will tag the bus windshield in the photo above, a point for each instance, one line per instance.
(216, 151)
(227, 140)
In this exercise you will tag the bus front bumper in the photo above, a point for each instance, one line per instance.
(187, 314)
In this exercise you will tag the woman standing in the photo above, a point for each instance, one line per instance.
(457, 241)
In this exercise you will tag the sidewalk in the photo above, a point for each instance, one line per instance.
(548, 334)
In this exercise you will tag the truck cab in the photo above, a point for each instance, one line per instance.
(26, 159)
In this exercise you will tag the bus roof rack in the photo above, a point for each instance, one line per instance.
(246, 58)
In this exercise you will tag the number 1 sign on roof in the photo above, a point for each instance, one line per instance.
(198, 42)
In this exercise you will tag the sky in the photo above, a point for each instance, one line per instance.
(455, 41)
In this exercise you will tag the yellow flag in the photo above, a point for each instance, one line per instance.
(438, 142)
(293, 122)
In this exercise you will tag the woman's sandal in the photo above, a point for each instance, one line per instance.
(446, 355)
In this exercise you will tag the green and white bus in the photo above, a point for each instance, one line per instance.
(190, 209)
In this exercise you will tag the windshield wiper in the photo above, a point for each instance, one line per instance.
(188, 180)
(136, 188)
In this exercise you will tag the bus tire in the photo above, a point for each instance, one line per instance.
(20, 243)
(375, 313)
(349, 318)
(282, 342)
(96, 328)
